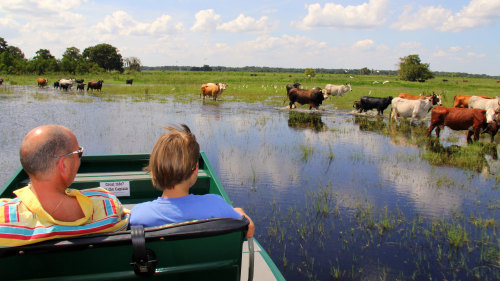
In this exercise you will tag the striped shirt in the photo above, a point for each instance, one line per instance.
(24, 221)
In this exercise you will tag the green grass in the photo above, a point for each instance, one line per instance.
(269, 88)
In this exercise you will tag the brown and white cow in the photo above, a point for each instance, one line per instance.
(312, 97)
(463, 100)
(212, 89)
(471, 119)
(42, 82)
(436, 99)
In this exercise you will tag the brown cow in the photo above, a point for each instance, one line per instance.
(463, 100)
(471, 119)
(212, 89)
(312, 97)
(42, 82)
(436, 99)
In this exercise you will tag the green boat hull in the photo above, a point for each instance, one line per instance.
(199, 250)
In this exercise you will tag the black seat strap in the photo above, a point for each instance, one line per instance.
(143, 259)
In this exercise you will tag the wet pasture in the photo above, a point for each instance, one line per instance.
(334, 195)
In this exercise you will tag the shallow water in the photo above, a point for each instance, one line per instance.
(330, 196)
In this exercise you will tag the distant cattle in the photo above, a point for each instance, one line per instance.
(312, 97)
(79, 81)
(56, 85)
(337, 90)
(369, 103)
(1, 81)
(95, 85)
(291, 86)
(212, 89)
(436, 99)
(465, 80)
(129, 81)
(66, 81)
(42, 82)
(470, 119)
(445, 80)
(413, 109)
(80, 87)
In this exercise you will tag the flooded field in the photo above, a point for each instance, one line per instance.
(334, 195)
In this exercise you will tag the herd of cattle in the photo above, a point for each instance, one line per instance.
(476, 114)
(67, 83)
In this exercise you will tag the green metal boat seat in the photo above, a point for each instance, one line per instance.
(197, 250)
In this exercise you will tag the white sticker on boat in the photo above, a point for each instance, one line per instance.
(118, 188)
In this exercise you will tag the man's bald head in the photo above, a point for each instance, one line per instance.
(41, 145)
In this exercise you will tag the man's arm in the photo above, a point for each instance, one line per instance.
(251, 226)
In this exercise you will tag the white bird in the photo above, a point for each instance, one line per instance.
(375, 82)
(386, 81)
(350, 77)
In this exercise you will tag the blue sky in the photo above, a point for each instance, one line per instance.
(454, 36)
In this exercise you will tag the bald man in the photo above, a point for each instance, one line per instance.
(46, 208)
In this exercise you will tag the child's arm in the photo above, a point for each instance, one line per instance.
(251, 226)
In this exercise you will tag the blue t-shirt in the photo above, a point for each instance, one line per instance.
(191, 207)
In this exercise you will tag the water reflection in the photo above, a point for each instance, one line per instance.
(319, 185)
(305, 120)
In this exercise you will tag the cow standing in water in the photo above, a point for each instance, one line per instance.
(312, 97)
(42, 82)
(212, 89)
(471, 119)
(291, 86)
(95, 85)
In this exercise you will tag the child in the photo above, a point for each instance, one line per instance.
(173, 166)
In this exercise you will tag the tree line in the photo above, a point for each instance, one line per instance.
(105, 57)
(93, 59)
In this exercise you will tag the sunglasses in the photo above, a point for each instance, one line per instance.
(78, 152)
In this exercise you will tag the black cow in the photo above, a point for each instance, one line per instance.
(291, 86)
(312, 97)
(79, 81)
(129, 81)
(368, 103)
(56, 85)
(65, 86)
(80, 87)
(94, 85)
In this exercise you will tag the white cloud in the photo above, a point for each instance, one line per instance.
(366, 44)
(121, 23)
(206, 21)
(474, 55)
(333, 15)
(477, 14)
(246, 24)
(423, 18)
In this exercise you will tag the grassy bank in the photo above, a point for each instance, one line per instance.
(269, 88)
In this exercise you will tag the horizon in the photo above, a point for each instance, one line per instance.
(451, 36)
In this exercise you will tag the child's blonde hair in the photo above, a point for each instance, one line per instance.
(174, 157)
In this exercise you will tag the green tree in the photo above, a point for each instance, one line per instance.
(411, 69)
(43, 62)
(364, 71)
(105, 56)
(70, 60)
(132, 64)
(309, 72)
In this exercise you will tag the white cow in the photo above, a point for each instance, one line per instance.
(336, 90)
(490, 105)
(410, 108)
